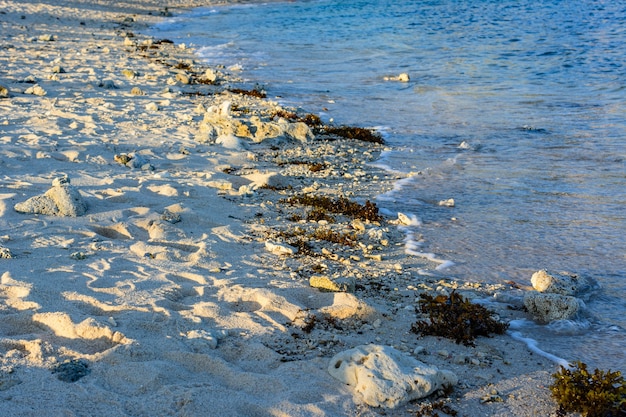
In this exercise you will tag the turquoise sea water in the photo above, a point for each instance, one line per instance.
(515, 109)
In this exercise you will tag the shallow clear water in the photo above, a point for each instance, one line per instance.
(515, 109)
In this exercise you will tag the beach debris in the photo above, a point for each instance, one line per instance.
(386, 377)
(280, 248)
(548, 307)
(71, 370)
(559, 283)
(4, 92)
(35, 90)
(60, 200)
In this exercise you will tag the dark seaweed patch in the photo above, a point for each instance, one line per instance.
(457, 318)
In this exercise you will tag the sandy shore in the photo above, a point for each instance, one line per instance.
(164, 297)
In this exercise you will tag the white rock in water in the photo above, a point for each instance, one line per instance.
(547, 307)
(563, 284)
(447, 203)
(386, 377)
(407, 220)
(403, 78)
(60, 200)
(280, 249)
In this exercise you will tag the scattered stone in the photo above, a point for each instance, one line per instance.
(130, 74)
(60, 200)
(280, 249)
(183, 78)
(122, 158)
(72, 370)
(46, 38)
(152, 106)
(324, 283)
(79, 256)
(386, 377)
(547, 307)
(35, 90)
(170, 217)
(57, 69)
(210, 75)
(4, 92)
(136, 91)
(107, 85)
(564, 284)
(492, 397)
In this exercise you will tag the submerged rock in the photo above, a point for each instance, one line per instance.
(60, 200)
(386, 377)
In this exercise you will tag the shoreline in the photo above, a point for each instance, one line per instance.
(165, 294)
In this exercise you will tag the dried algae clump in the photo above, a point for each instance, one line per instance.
(455, 317)
(597, 394)
(341, 205)
(355, 133)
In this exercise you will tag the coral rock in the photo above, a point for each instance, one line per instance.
(386, 377)
(60, 200)
(564, 284)
(546, 307)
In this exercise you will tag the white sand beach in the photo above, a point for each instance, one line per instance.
(163, 284)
